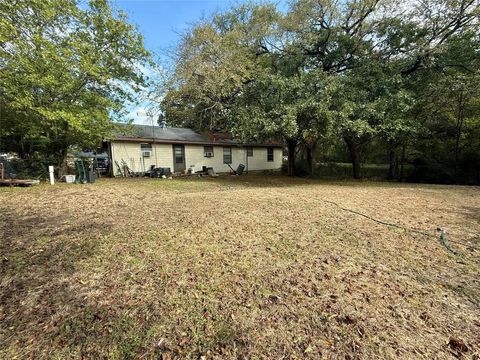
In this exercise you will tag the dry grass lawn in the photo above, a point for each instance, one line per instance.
(251, 267)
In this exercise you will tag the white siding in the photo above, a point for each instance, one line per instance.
(259, 159)
(130, 152)
(194, 156)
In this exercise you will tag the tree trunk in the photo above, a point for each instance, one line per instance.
(402, 161)
(458, 133)
(392, 169)
(62, 162)
(308, 152)
(62, 150)
(354, 157)
(24, 149)
(291, 145)
(310, 156)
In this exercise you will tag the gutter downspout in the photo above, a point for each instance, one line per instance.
(154, 146)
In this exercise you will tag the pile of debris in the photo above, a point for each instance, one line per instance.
(160, 172)
(206, 171)
(7, 178)
(123, 170)
(239, 170)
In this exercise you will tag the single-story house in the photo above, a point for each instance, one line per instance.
(144, 146)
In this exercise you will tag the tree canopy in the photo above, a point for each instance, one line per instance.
(377, 74)
(367, 80)
(66, 71)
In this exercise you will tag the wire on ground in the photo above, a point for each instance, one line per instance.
(443, 236)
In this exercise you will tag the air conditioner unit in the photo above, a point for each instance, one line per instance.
(146, 154)
(209, 154)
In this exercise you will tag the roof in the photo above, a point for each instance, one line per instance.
(174, 135)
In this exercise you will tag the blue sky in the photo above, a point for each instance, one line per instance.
(162, 21)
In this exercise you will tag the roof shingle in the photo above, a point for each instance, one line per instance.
(136, 132)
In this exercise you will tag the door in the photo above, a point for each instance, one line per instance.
(178, 158)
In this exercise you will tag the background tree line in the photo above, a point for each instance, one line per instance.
(356, 80)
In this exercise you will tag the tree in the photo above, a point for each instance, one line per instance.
(65, 72)
(452, 117)
(359, 69)
(370, 45)
(233, 74)
(267, 109)
(397, 129)
(331, 35)
(214, 62)
(446, 106)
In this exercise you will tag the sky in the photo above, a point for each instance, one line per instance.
(161, 22)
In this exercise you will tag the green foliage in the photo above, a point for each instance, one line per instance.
(369, 78)
(378, 75)
(65, 72)
(215, 60)
(369, 171)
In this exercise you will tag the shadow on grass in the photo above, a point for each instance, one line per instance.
(50, 307)
(42, 304)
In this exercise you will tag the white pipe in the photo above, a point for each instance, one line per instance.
(52, 179)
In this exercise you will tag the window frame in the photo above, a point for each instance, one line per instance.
(270, 154)
(146, 147)
(205, 151)
(230, 155)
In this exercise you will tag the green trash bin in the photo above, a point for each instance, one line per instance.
(91, 176)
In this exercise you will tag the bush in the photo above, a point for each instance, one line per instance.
(427, 169)
(302, 168)
(469, 168)
(431, 171)
(337, 170)
(27, 169)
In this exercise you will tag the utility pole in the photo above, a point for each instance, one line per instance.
(150, 116)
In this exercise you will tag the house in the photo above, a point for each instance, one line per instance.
(144, 146)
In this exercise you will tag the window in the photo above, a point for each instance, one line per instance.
(227, 155)
(249, 151)
(146, 150)
(179, 155)
(270, 154)
(208, 151)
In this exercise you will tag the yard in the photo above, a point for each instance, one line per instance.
(238, 267)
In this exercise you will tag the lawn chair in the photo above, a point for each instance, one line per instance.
(239, 170)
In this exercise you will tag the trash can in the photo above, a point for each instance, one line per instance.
(91, 176)
(240, 169)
